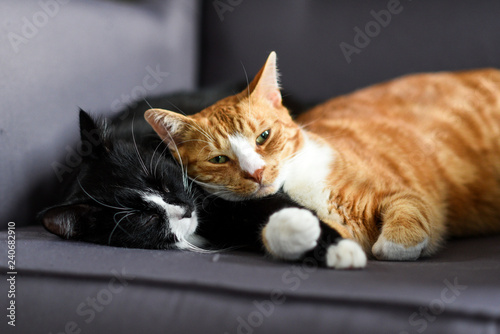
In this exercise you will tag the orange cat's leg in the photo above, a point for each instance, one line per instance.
(411, 227)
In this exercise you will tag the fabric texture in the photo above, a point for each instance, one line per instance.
(117, 290)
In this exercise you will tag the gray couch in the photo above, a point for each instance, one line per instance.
(58, 55)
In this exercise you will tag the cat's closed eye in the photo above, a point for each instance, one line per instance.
(153, 220)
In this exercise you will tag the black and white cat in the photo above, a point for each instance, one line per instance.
(130, 192)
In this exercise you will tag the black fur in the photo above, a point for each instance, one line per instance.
(103, 203)
(122, 159)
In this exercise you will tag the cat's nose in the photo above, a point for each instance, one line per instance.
(187, 214)
(256, 176)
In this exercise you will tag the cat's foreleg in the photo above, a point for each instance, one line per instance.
(295, 233)
(333, 251)
(411, 227)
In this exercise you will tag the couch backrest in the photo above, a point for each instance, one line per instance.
(326, 48)
(58, 55)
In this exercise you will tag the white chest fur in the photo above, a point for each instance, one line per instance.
(305, 177)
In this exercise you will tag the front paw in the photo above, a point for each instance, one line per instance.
(290, 233)
(385, 249)
(346, 254)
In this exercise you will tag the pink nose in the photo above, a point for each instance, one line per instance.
(256, 176)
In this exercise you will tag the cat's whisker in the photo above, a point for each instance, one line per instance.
(152, 158)
(149, 105)
(198, 140)
(95, 200)
(205, 134)
(196, 197)
(214, 189)
(137, 150)
(117, 201)
(205, 148)
(202, 131)
(158, 159)
(118, 224)
(224, 193)
(248, 87)
(208, 197)
(304, 126)
(185, 179)
(186, 245)
(181, 164)
(176, 107)
(208, 134)
(295, 155)
(209, 185)
(193, 181)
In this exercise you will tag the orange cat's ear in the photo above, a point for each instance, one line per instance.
(167, 124)
(265, 84)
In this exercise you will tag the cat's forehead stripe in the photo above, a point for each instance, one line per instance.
(250, 161)
(169, 209)
(242, 124)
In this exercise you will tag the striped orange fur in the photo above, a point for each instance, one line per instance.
(397, 166)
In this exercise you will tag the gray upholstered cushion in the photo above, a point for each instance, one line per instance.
(413, 36)
(59, 55)
(148, 291)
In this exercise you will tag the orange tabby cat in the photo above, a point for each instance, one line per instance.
(396, 167)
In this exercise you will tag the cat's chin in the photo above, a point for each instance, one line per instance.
(260, 192)
(264, 191)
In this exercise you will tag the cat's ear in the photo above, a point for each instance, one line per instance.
(169, 125)
(65, 220)
(92, 132)
(265, 85)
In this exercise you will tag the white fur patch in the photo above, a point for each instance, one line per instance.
(346, 254)
(384, 249)
(304, 177)
(250, 161)
(291, 232)
(184, 227)
(179, 226)
(192, 242)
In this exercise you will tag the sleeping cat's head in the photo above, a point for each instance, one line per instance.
(126, 192)
(235, 148)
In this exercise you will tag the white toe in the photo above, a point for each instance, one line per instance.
(346, 254)
(384, 249)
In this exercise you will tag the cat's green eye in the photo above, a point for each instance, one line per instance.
(219, 159)
(263, 137)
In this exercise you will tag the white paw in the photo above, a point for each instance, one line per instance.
(291, 232)
(346, 254)
(384, 249)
